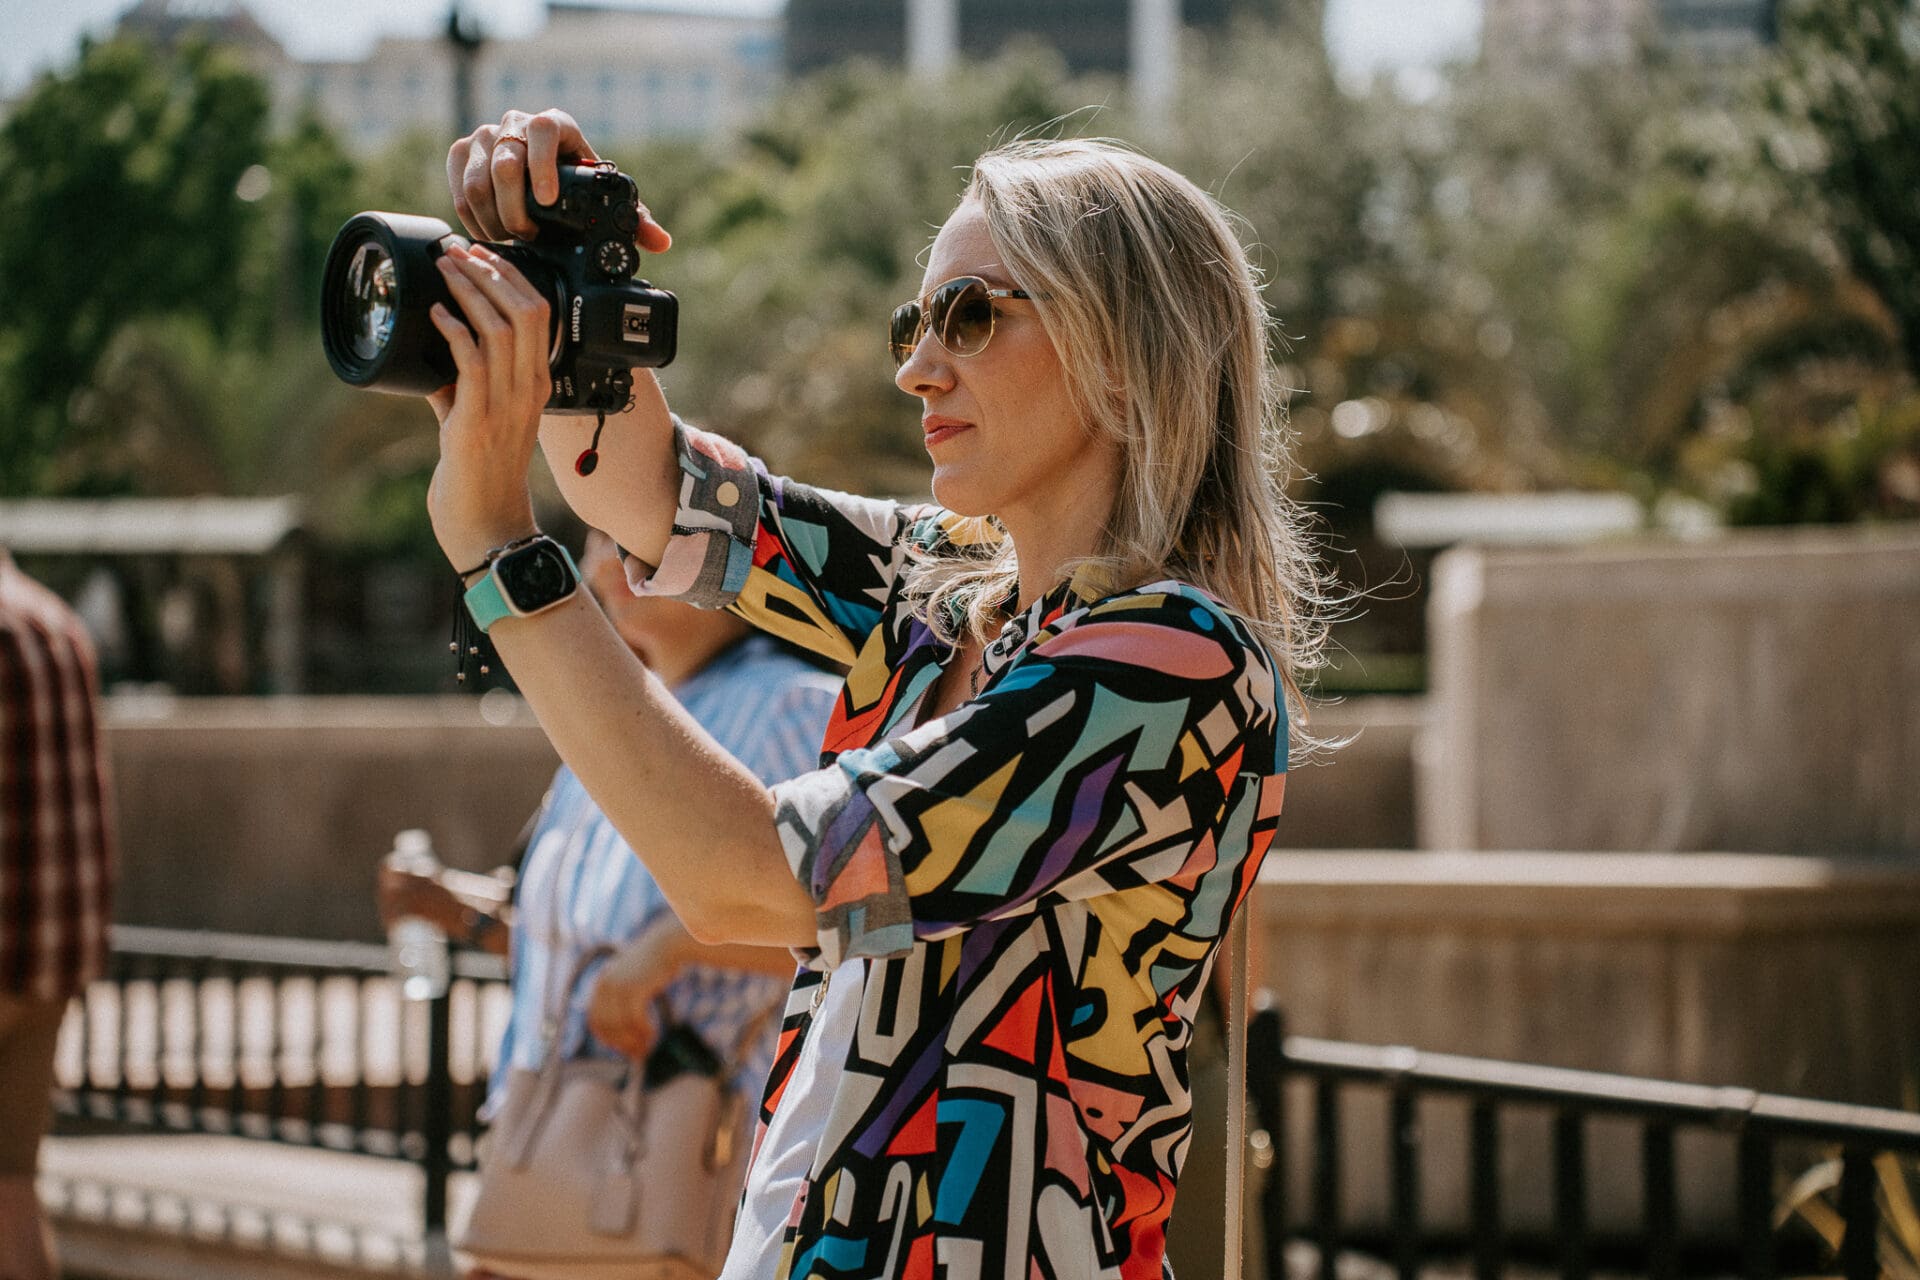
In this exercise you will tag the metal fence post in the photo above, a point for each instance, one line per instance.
(1266, 1085)
(436, 1125)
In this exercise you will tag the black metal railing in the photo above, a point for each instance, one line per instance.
(303, 1043)
(1759, 1124)
(309, 1044)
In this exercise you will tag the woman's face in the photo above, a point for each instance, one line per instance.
(1004, 438)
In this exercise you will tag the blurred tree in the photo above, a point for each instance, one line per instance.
(1850, 84)
(118, 189)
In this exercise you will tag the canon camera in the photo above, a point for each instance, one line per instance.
(381, 281)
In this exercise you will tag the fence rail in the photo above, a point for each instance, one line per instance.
(310, 1044)
(1661, 1109)
(304, 1043)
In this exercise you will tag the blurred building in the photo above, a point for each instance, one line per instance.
(1522, 32)
(626, 72)
(654, 70)
(1092, 35)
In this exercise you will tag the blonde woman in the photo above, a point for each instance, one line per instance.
(1060, 752)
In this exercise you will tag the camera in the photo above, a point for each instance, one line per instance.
(380, 281)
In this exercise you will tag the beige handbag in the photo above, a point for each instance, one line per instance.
(588, 1175)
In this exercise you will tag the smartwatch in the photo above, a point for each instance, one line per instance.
(523, 582)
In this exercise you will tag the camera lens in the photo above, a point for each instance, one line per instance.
(379, 284)
(371, 286)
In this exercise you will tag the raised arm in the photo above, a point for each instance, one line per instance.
(632, 492)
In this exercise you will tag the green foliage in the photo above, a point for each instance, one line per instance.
(117, 189)
(1862, 464)
(1848, 97)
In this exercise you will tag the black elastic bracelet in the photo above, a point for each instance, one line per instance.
(496, 553)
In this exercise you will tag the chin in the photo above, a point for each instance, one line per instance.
(960, 493)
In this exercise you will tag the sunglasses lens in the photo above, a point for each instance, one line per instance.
(963, 314)
(903, 334)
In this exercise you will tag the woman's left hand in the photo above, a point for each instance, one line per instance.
(620, 1007)
(489, 417)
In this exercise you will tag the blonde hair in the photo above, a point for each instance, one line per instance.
(1158, 319)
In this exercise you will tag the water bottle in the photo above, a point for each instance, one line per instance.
(416, 948)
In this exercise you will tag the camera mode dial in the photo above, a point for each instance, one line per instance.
(616, 258)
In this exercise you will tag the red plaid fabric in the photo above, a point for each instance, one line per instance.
(56, 825)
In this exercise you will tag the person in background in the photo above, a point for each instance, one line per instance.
(56, 880)
(579, 885)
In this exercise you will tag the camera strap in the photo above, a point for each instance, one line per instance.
(590, 457)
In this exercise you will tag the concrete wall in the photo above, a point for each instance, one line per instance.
(1790, 975)
(1358, 794)
(270, 815)
(1759, 692)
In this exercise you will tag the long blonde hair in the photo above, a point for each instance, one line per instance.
(1157, 316)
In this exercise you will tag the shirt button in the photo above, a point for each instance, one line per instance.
(727, 494)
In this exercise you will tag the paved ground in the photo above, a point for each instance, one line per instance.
(130, 1203)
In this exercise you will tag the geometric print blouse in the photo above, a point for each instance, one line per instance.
(1038, 882)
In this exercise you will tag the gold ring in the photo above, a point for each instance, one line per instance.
(521, 138)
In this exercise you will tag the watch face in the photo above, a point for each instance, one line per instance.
(535, 577)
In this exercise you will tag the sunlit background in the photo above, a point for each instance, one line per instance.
(1602, 320)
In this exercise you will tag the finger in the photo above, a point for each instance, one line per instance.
(508, 327)
(531, 314)
(509, 170)
(650, 235)
(476, 185)
(471, 384)
(458, 157)
(551, 135)
(442, 402)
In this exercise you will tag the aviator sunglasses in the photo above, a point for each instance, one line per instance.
(960, 313)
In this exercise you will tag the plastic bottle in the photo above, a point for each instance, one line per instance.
(416, 947)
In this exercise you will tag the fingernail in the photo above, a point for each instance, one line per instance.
(483, 253)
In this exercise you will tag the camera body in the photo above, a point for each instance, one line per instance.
(380, 283)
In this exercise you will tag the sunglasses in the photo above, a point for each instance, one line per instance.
(960, 313)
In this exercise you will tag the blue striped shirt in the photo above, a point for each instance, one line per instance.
(581, 886)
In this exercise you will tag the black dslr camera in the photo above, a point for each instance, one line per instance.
(381, 280)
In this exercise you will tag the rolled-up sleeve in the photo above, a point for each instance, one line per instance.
(1113, 754)
(812, 566)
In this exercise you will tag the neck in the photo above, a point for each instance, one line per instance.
(1071, 526)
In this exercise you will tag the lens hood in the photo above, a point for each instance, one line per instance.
(379, 284)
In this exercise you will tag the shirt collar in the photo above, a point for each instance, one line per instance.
(1063, 598)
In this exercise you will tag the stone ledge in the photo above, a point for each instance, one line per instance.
(1565, 893)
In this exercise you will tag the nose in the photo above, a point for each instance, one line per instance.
(928, 371)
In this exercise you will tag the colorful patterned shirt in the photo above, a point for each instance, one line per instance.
(1038, 881)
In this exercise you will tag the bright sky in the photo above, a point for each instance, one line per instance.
(1363, 35)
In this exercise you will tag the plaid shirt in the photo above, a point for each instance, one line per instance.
(56, 825)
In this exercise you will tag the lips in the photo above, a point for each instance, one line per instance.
(939, 428)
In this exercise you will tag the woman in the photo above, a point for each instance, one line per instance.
(1059, 755)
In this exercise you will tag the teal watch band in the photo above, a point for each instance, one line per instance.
(523, 582)
(485, 602)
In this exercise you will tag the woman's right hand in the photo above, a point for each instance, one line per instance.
(487, 172)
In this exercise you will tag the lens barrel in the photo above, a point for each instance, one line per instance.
(379, 283)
